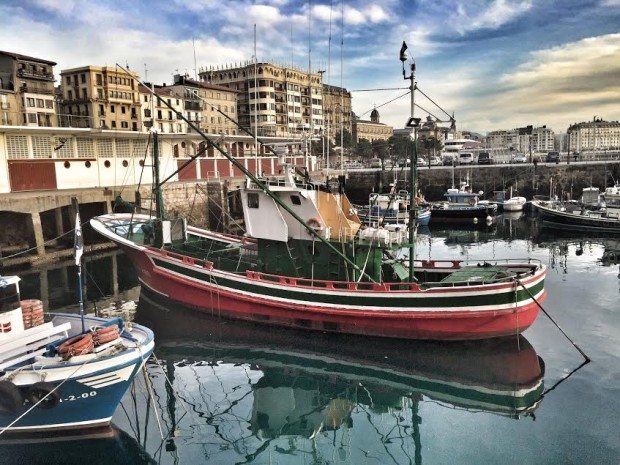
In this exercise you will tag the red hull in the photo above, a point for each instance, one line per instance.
(457, 325)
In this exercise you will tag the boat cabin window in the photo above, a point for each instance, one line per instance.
(295, 199)
(252, 200)
(9, 298)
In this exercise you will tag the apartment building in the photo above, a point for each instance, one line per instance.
(276, 101)
(336, 110)
(155, 111)
(371, 130)
(26, 91)
(597, 134)
(209, 106)
(537, 139)
(104, 97)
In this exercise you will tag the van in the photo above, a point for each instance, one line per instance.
(466, 158)
(484, 158)
(553, 157)
(375, 162)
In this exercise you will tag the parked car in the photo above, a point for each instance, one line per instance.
(375, 162)
(436, 161)
(484, 158)
(404, 162)
(422, 162)
(553, 157)
(519, 158)
(448, 160)
(466, 158)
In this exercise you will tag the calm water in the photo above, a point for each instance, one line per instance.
(250, 394)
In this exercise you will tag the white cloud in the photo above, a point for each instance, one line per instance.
(498, 13)
(85, 45)
(62, 7)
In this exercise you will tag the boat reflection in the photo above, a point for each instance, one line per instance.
(102, 445)
(303, 385)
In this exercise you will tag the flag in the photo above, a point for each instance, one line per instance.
(403, 52)
(78, 243)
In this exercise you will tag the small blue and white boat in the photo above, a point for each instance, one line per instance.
(69, 372)
(391, 209)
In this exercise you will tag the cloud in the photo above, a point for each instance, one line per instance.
(353, 15)
(84, 45)
(560, 85)
(498, 13)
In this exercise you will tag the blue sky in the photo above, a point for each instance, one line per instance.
(496, 64)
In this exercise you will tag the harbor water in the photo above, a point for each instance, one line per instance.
(225, 392)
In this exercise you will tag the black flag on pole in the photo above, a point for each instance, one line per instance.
(78, 244)
(403, 52)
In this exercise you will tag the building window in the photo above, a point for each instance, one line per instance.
(68, 79)
(69, 95)
(252, 200)
(99, 80)
(114, 124)
(83, 78)
(32, 117)
(49, 104)
(124, 125)
(112, 109)
(123, 109)
(30, 102)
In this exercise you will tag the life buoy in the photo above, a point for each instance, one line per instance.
(38, 391)
(472, 201)
(314, 223)
(79, 345)
(104, 335)
(10, 398)
(32, 313)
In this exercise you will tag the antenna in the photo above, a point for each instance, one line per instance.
(195, 67)
(146, 73)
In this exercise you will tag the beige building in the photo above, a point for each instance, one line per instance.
(206, 105)
(371, 130)
(285, 101)
(155, 111)
(104, 97)
(336, 110)
(539, 139)
(594, 135)
(26, 91)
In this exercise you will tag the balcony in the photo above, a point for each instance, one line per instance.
(25, 74)
(193, 106)
(26, 89)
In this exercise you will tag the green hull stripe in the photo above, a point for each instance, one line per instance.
(473, 300)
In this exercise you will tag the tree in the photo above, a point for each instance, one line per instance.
(364, 148)
(401, 147)
(380, 149)
(346, 137)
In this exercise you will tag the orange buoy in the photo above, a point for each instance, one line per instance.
(79, 345)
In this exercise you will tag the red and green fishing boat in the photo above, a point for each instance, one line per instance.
(306, 261)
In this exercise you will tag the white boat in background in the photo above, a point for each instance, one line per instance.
(514, 204)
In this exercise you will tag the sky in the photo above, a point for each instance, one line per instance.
(495, 64)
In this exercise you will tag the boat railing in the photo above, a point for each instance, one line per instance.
(357, 286)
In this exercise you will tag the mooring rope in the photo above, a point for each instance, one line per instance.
(587, 359)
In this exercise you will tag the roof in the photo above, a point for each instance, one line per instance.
(335, 89)
(184, 80)
(18, 56)
(158, 90)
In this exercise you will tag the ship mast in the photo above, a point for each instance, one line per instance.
(412, 122)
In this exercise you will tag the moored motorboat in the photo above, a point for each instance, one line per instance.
(557, 215)
(463, 206)
(514, 204)
(391, 209)
(57, 375)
